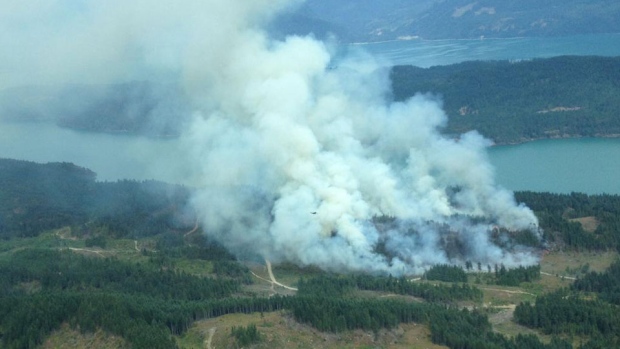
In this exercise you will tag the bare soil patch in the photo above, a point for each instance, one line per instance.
(588, 224)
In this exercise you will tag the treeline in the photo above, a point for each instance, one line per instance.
(148, 322)
(445, 272)
(145, 322)
(515, 276)
(64, 270)
(172, 246)
(38, 197)
(518, 101)
(561, 312)
(234, 270)
(245, 336)
(449, 326)
(502, 276)
(327, 304)
(472, 330)
(41, 289)
(606, 284)
(588, 308)
(556, 211)
(336, 286)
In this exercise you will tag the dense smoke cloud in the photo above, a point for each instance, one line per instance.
(301, 157)
(301, 154)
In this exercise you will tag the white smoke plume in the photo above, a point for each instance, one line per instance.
(300, 156)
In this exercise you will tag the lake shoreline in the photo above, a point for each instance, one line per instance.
(529, 140)
(177, 136)
(421, 39)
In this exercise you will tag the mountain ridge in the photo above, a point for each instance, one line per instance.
(366, 21)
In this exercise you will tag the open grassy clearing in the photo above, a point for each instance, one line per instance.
(197, 267)
(263, 286)
(502, 321)
(278, 330)
(557, 262)
(289, 274)
(494, 295)
(588, 224)
(46, 240)
(68, 338)
(386, 295)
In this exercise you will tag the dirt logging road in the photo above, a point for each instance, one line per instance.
(272, 278)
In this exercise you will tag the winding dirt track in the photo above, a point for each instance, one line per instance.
(262, 278)
(210, 338)
(86, 250)
(507, 291)
(560, 276)
(273, 279)
(191, 231)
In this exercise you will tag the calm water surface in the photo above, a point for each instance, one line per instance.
(562, 165)
(111, 156)
(424, 53)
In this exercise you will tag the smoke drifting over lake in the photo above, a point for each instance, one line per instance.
(301, 157)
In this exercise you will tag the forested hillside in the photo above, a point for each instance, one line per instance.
(577, 221)
(148, 306)
(123, 258)
(512, 102)
(507, 102)
(38, 197)
(587, 308)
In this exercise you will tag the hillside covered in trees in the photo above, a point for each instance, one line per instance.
(147, 306)
(508, 102)
(38, 197)
(512, 102)
(125, 258)
(577, 221)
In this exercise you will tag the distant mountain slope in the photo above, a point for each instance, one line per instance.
(38, 197)
(147, 108)
(365, 20)
(514, 102)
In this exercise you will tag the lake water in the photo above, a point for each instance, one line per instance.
(588, 165)
(426, 53)
(583, 165)
(111, 156)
